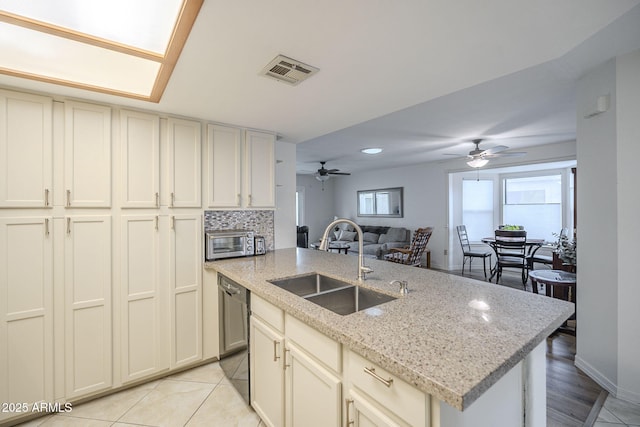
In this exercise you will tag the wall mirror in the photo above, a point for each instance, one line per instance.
(385, 202)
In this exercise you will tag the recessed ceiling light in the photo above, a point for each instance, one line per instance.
(371, 150)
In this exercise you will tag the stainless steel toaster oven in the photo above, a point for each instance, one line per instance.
(228, 244)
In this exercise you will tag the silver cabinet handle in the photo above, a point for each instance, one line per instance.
(46, 226)
(249, 200)
(68, 198)
(286, 365)
(157, 199)
(157, 222)
(275, 350)
(372, 372)
(68, 225)
(173, 222)
(348, 421)
(239, 199)
(173, 199)
(46, 197)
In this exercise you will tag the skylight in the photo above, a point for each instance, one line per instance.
(122, 47)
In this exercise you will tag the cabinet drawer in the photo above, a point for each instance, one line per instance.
(315, 343)
(267, 312)
(396, 395)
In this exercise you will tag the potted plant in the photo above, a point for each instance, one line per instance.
(566, 252)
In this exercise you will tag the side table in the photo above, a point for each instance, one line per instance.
(558, 284)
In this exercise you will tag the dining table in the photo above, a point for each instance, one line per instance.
(532, 245)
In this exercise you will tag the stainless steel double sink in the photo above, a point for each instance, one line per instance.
(340, 297)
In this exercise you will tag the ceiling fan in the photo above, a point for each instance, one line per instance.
(323, 173)
(479, 158)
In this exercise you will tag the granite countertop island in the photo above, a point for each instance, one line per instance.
(451, 337)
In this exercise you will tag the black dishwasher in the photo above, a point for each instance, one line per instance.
(233, 302)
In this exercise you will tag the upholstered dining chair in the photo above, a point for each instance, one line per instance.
(467, 253)
(510, 247)
(411, 255)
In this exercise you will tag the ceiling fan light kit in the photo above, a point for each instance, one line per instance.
(478, 162)
(480, 158)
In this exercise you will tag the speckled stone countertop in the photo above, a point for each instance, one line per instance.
(451, 337)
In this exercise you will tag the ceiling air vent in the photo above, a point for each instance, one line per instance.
(288, 70)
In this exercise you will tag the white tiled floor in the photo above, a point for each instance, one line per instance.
(198, 397)
(204, 397)
(617, 413)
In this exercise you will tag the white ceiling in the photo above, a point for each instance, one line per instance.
(469, 68)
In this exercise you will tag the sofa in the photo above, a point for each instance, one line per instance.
(377, 240)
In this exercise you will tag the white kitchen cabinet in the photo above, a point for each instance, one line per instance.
(313, 393)
(372, 387)
(144, 347)
(295, 379)
(364, 412)
(224, 159)
(185, 160)
(241, 168)
(87, 281)
(26, 311)
(210, 323)
(259, 171)
(26, 162)
(87, 155)
(266, 372)
(185, 288)
(140, 157)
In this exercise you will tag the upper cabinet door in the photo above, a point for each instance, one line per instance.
(140, 145)
(87, 155)
(185, 160)
(224, 165)
(260, 170)
(25, 150)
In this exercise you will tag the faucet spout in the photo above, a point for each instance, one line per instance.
(324, 244)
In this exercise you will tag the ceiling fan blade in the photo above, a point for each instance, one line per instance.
(333, 170)
(510, 154)
(339, 173)
(494, 150)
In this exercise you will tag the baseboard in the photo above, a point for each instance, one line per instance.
(628, 395)
(595, 375)
(605, 383)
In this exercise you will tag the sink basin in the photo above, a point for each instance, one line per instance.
(349, 300)
(309, 284)
(333, 294)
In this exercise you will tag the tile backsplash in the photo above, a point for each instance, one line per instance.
(259, 221)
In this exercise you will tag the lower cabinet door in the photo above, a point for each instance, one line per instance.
(186, 289)
(26, 314)
(144, 347)
(363, 412)
(87, 276)
(313, 393)
(267, 376)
